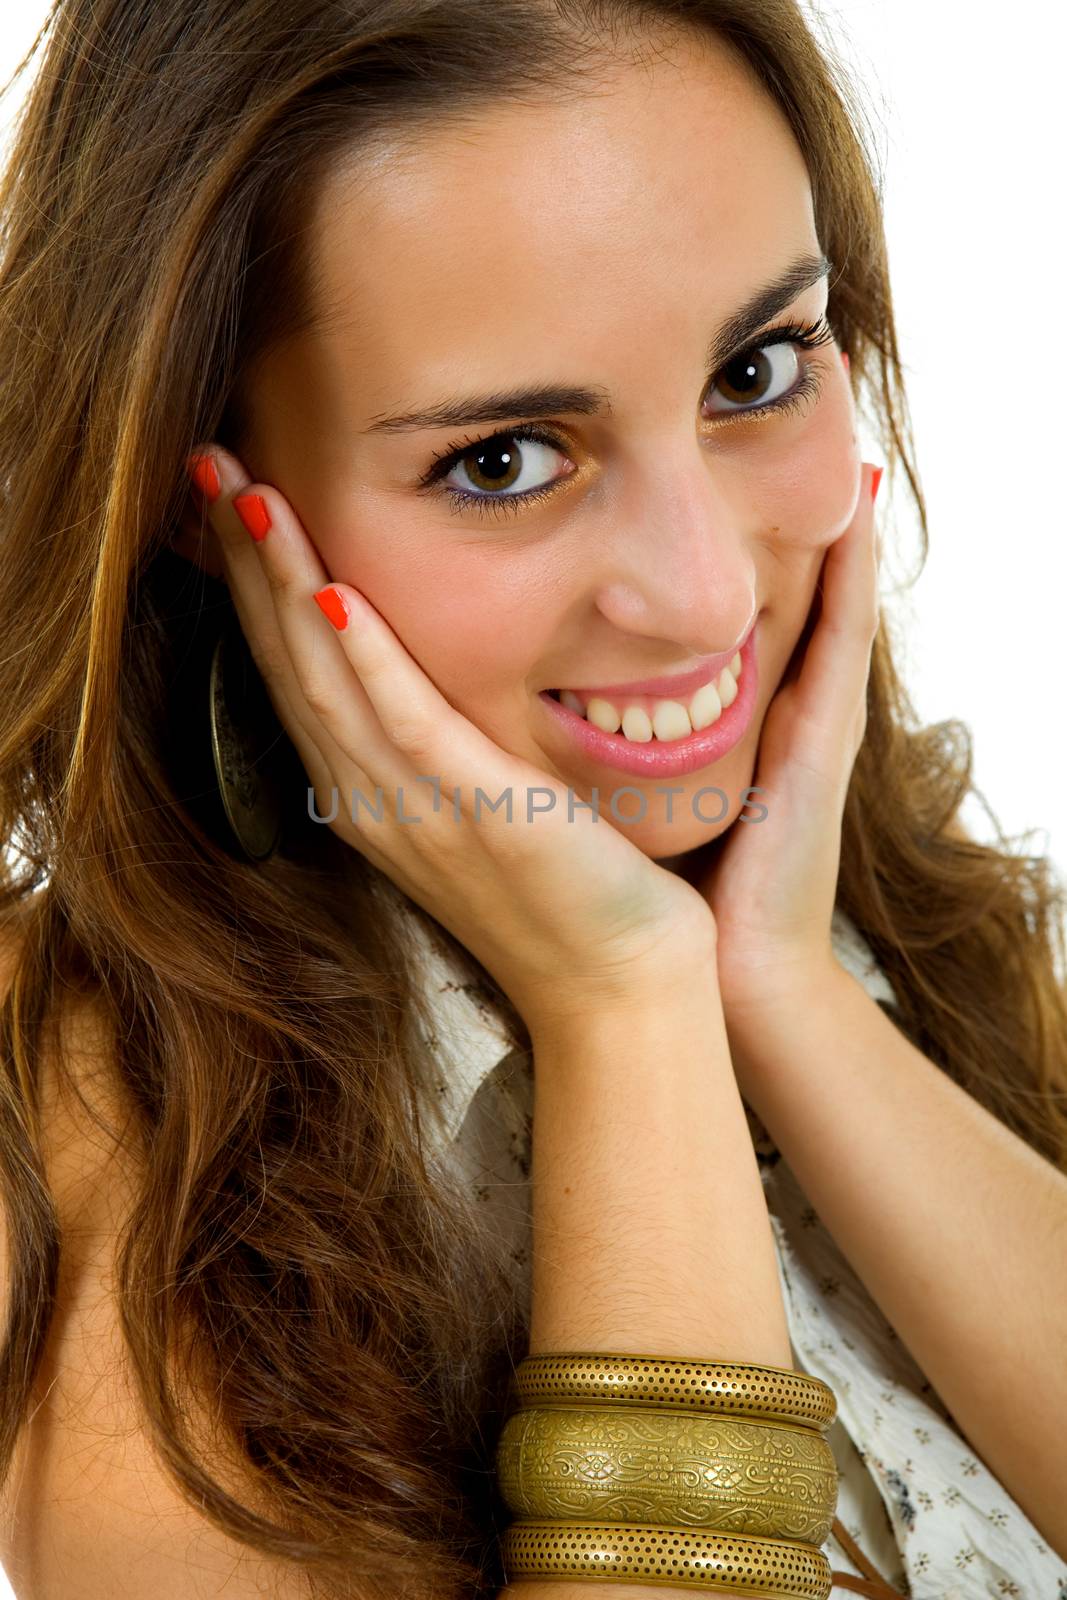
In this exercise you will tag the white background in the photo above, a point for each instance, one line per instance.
(966, 107)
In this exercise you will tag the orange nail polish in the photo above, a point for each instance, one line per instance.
(844, 358)
(333, 606)
(252, 510)
(205, 475)
(876, 478)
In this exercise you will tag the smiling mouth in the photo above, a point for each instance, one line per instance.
(641, 718)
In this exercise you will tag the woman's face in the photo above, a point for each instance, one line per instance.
(604, 243)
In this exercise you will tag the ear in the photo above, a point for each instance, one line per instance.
(201, 548)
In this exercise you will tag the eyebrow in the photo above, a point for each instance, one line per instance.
(544, 400)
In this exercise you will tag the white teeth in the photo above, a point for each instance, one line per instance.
(602, 714)
(636, 725)
(727, 687)
(670, 719)
(705, 707)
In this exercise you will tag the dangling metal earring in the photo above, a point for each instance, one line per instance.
(248, 745)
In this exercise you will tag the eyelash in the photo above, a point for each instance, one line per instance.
(808, 338)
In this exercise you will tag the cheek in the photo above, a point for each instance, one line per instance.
(807, 488)
(468, 621)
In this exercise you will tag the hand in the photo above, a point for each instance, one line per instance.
(773, 884)
(562, 911)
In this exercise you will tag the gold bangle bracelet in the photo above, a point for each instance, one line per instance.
(774, 1569)
(728, 1388)
(670, 1469)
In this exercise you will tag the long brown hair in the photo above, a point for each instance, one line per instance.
(296, 1251)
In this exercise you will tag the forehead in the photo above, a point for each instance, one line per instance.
(674, 182)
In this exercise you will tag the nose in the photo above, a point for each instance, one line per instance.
(677, 569)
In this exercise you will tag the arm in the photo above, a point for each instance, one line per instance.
(650, 1229)
(956, 1226)
(88, 1510)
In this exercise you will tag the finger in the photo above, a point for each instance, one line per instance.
(221, 478)
(436, 738)
(362, 687)
(274, 572)
(832, 684)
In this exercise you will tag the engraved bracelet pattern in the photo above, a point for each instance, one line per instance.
(669, 1469)
(680, 1557)
(728, 1388)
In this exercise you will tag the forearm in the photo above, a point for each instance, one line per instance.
(650, 1228)
(956, 1227)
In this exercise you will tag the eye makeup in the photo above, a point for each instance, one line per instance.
(803, 393)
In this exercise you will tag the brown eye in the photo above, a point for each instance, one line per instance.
(503, 463)
(758, 377)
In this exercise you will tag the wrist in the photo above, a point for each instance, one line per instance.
(663, 1009)
(761, 1028)
(773, 997)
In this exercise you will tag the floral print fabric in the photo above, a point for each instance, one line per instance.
(919, 1503)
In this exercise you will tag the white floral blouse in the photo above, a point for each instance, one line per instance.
(920, 1505)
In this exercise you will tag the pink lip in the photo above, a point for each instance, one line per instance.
(671, 758)
(682, 684)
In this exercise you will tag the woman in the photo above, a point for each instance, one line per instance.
(251, 238)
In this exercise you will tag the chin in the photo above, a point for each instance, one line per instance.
(677, 845)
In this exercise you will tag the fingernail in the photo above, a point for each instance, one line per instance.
(876, 478)
(205, 475)
(333, 606)
(252, 510)
(844, 358)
